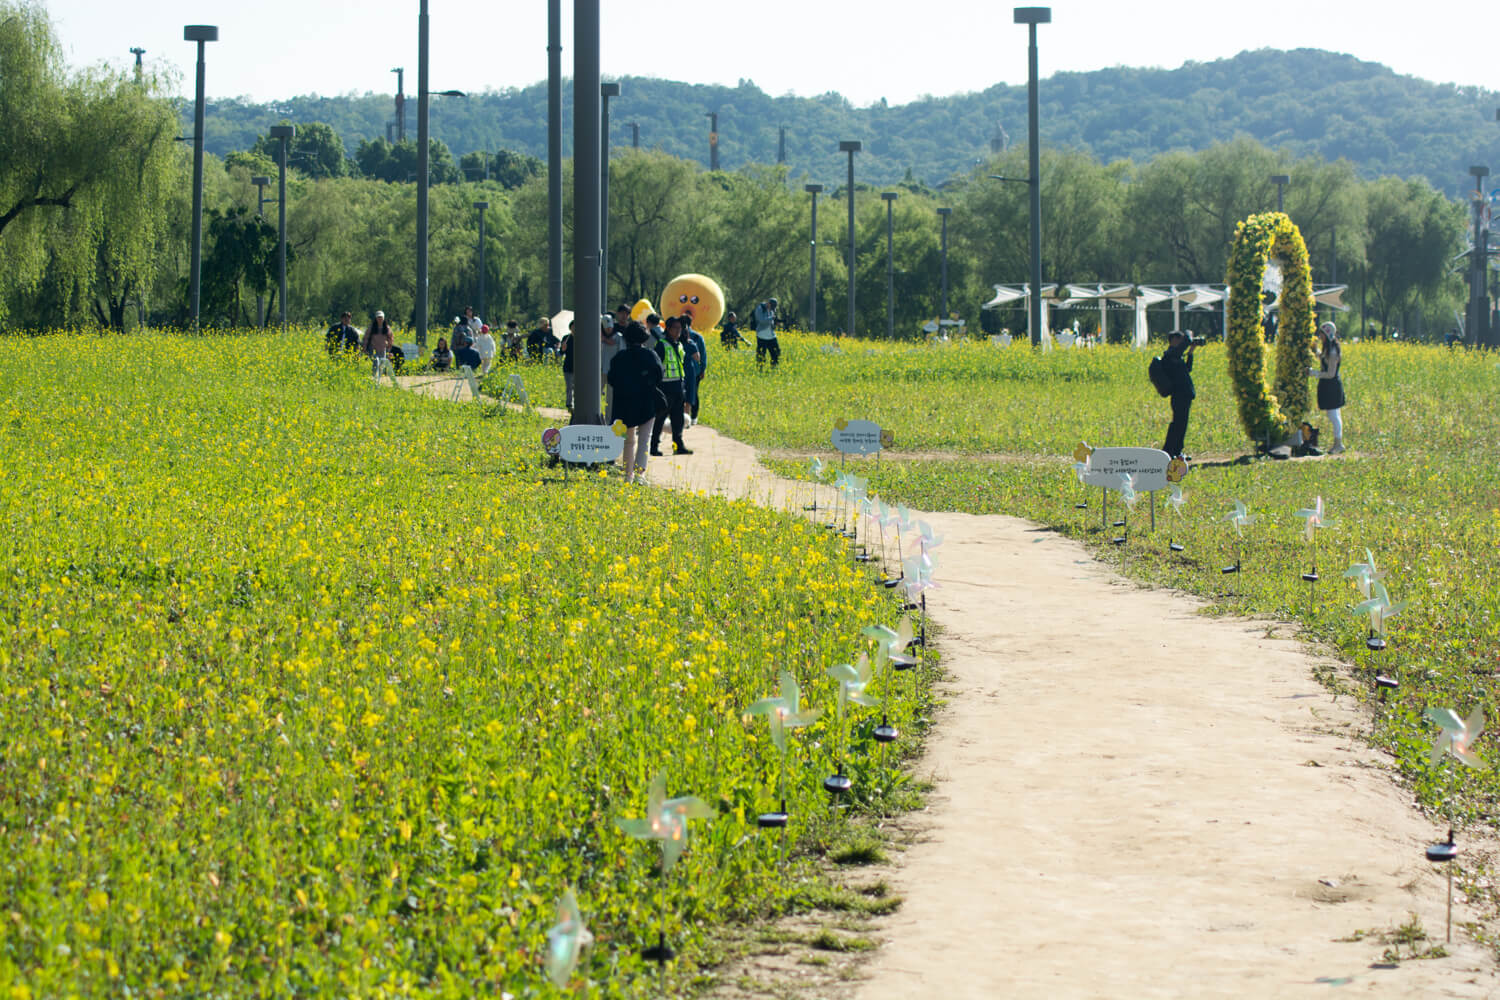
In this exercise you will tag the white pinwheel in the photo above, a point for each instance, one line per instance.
(1080, 469)
(891, 644)
(1240, 518)
(666, 820)
(929, 539)
(887, 516)
(815, 467)
(1177, 499)
(785, 712)
(1364, 574)
(1379, 607)
(904, 521)
(1313, 518)
(566, 940)
(853, 678)
(917, 576)
(1127, 490)
(1457, 735)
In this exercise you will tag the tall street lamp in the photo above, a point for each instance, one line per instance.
(284, 133)
(713, 140)
(945, 212)
(851, 146)
(781, 144)
(1031, 17)
(586, 215)
(889, 197)
(812, 268)
(423, 152)
(1281, 181)
(635, 135)
(606, 91)
(554, 159)
(260, 213)
(482, 206)
(200, 33)
(1478, 305)
(400, 72)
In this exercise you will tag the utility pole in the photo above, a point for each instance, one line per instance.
(400, 72)
(139, 70)
(851, 146)
(812, 269)
(1031, 17)
(1479, 300)
(713, 140)
(586, 215)
(781, 145)
(199, 33)
(260, 183)
(554, 159)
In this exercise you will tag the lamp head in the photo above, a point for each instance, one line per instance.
(200, 33)
(813, 188)
(260, 181)
(481, 205)
(1480, 171)
(1280, 179)
(945, 211)
(851, 146)
(609, 90)
(283, 131)
(1033, 15)
(888, 196)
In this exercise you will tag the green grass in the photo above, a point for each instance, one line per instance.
(310, 688)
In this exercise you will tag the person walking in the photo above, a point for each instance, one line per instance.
(342, 336)
(763, 318)
(378, 342)
(674, 365)
(1179, 363)
(696, 349)
(729, 333)
(611, 342)
(484, 344)
(1331, 383)
(635, 376)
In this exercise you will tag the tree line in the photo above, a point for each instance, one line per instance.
(95, 217)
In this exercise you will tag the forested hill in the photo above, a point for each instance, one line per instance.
(1306, 100)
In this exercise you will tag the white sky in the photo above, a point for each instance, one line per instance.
(272, 49)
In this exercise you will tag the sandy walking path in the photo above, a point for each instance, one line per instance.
(1133, 800)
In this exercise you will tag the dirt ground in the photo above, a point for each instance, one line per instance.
(1132, 799)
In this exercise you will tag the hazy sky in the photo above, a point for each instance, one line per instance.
(282, 48)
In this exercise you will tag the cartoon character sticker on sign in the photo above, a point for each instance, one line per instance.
(857, 437)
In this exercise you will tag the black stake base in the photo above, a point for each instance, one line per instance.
(1311, 577)
(891, 581)
(1442, 852)
(661, 953)
(1177, 547)
(886, 733)
(837, 784)
(1375, 643)
(864, 557)
(1231, 569)
(1081, 506)
(1117, 540)
(1384, 684)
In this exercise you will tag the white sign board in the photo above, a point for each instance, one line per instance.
(1147, 465)
(857, 437)
(590, 444)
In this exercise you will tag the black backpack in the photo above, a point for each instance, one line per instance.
(1159, 376)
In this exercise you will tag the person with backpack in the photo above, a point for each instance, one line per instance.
(1172, 374)
(635, 374)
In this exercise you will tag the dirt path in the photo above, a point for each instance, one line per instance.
(1133, 800)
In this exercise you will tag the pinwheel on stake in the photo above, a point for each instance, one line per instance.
(1380, 608)
(566, 940)
(1313, 519)
(891, 652)
(885, 517)
(1455, 736)
(666, 820)
(1241, 519)
(904, 524)
(1080, 469)
(852, 680)
(866, 513)
(1178, 500)
(783, 712)
(1364, 574)
(917, 581)
(815, 469)
(1129, 496)
(840, 485)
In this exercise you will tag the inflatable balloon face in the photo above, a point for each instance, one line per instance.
(697, 295)
(641, 310)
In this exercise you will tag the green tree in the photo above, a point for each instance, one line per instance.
(397, 162)
(316, 150)
(86, 163)
(506, 167)
(1412, 232)
(242, 252)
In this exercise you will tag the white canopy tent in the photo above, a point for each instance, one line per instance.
(1006, 295)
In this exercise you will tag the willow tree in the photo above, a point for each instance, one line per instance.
(87, 163)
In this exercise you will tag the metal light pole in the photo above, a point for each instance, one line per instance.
(781, 145)
(812, 269)
(606, 91)
(889, 197)
(200, 33)
(284, 133)
(713, 140)
(586, 215)
(635, 135)
(1478, 301)
(400, 72)
(554, 159)
(1281, 181)
(422, 179)
(851, 146)
(137, 51)
(481, 205)
(260, 213)
(1031, 17)
(945, 212)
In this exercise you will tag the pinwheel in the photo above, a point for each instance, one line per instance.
(866, 513)
(666, 820)
(566, 940)
(1457, 735)
(1313, 519)
(815, 471)
(1240, 518)
(1127, 490)
(840, 490)
(1364, 574)
(891, 645)
(929, 540)
(852, 680)
(1380, 609)
(885, 517)
(1178, 500)
(783, 712)
(1080, 469)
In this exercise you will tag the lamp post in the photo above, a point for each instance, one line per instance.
(200, 33)
(945, 212)
(889, 197)
(423, 96)
(554, 159)
(586, 215)
(781, 144)
(812, 267)
(260, 213)
(851, 146)
(1281, 181)
(284, 133)
(635, 135)
(606, 91)
(1031, 17)
(482, 206)
(137, 51)
(400, 72)
(1478, 304)
(713, 140)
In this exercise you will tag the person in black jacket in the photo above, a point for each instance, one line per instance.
(635, 375)
(342, 336)
(1179, 362)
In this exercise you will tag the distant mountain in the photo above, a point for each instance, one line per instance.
(1308, 101)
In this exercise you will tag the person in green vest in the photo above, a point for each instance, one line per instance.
(674, 371)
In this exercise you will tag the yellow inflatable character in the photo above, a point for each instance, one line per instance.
(697, 295)
(641, 310)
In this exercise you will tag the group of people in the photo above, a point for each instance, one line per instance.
(377, 342)
(1178, 360)
(763, 322)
